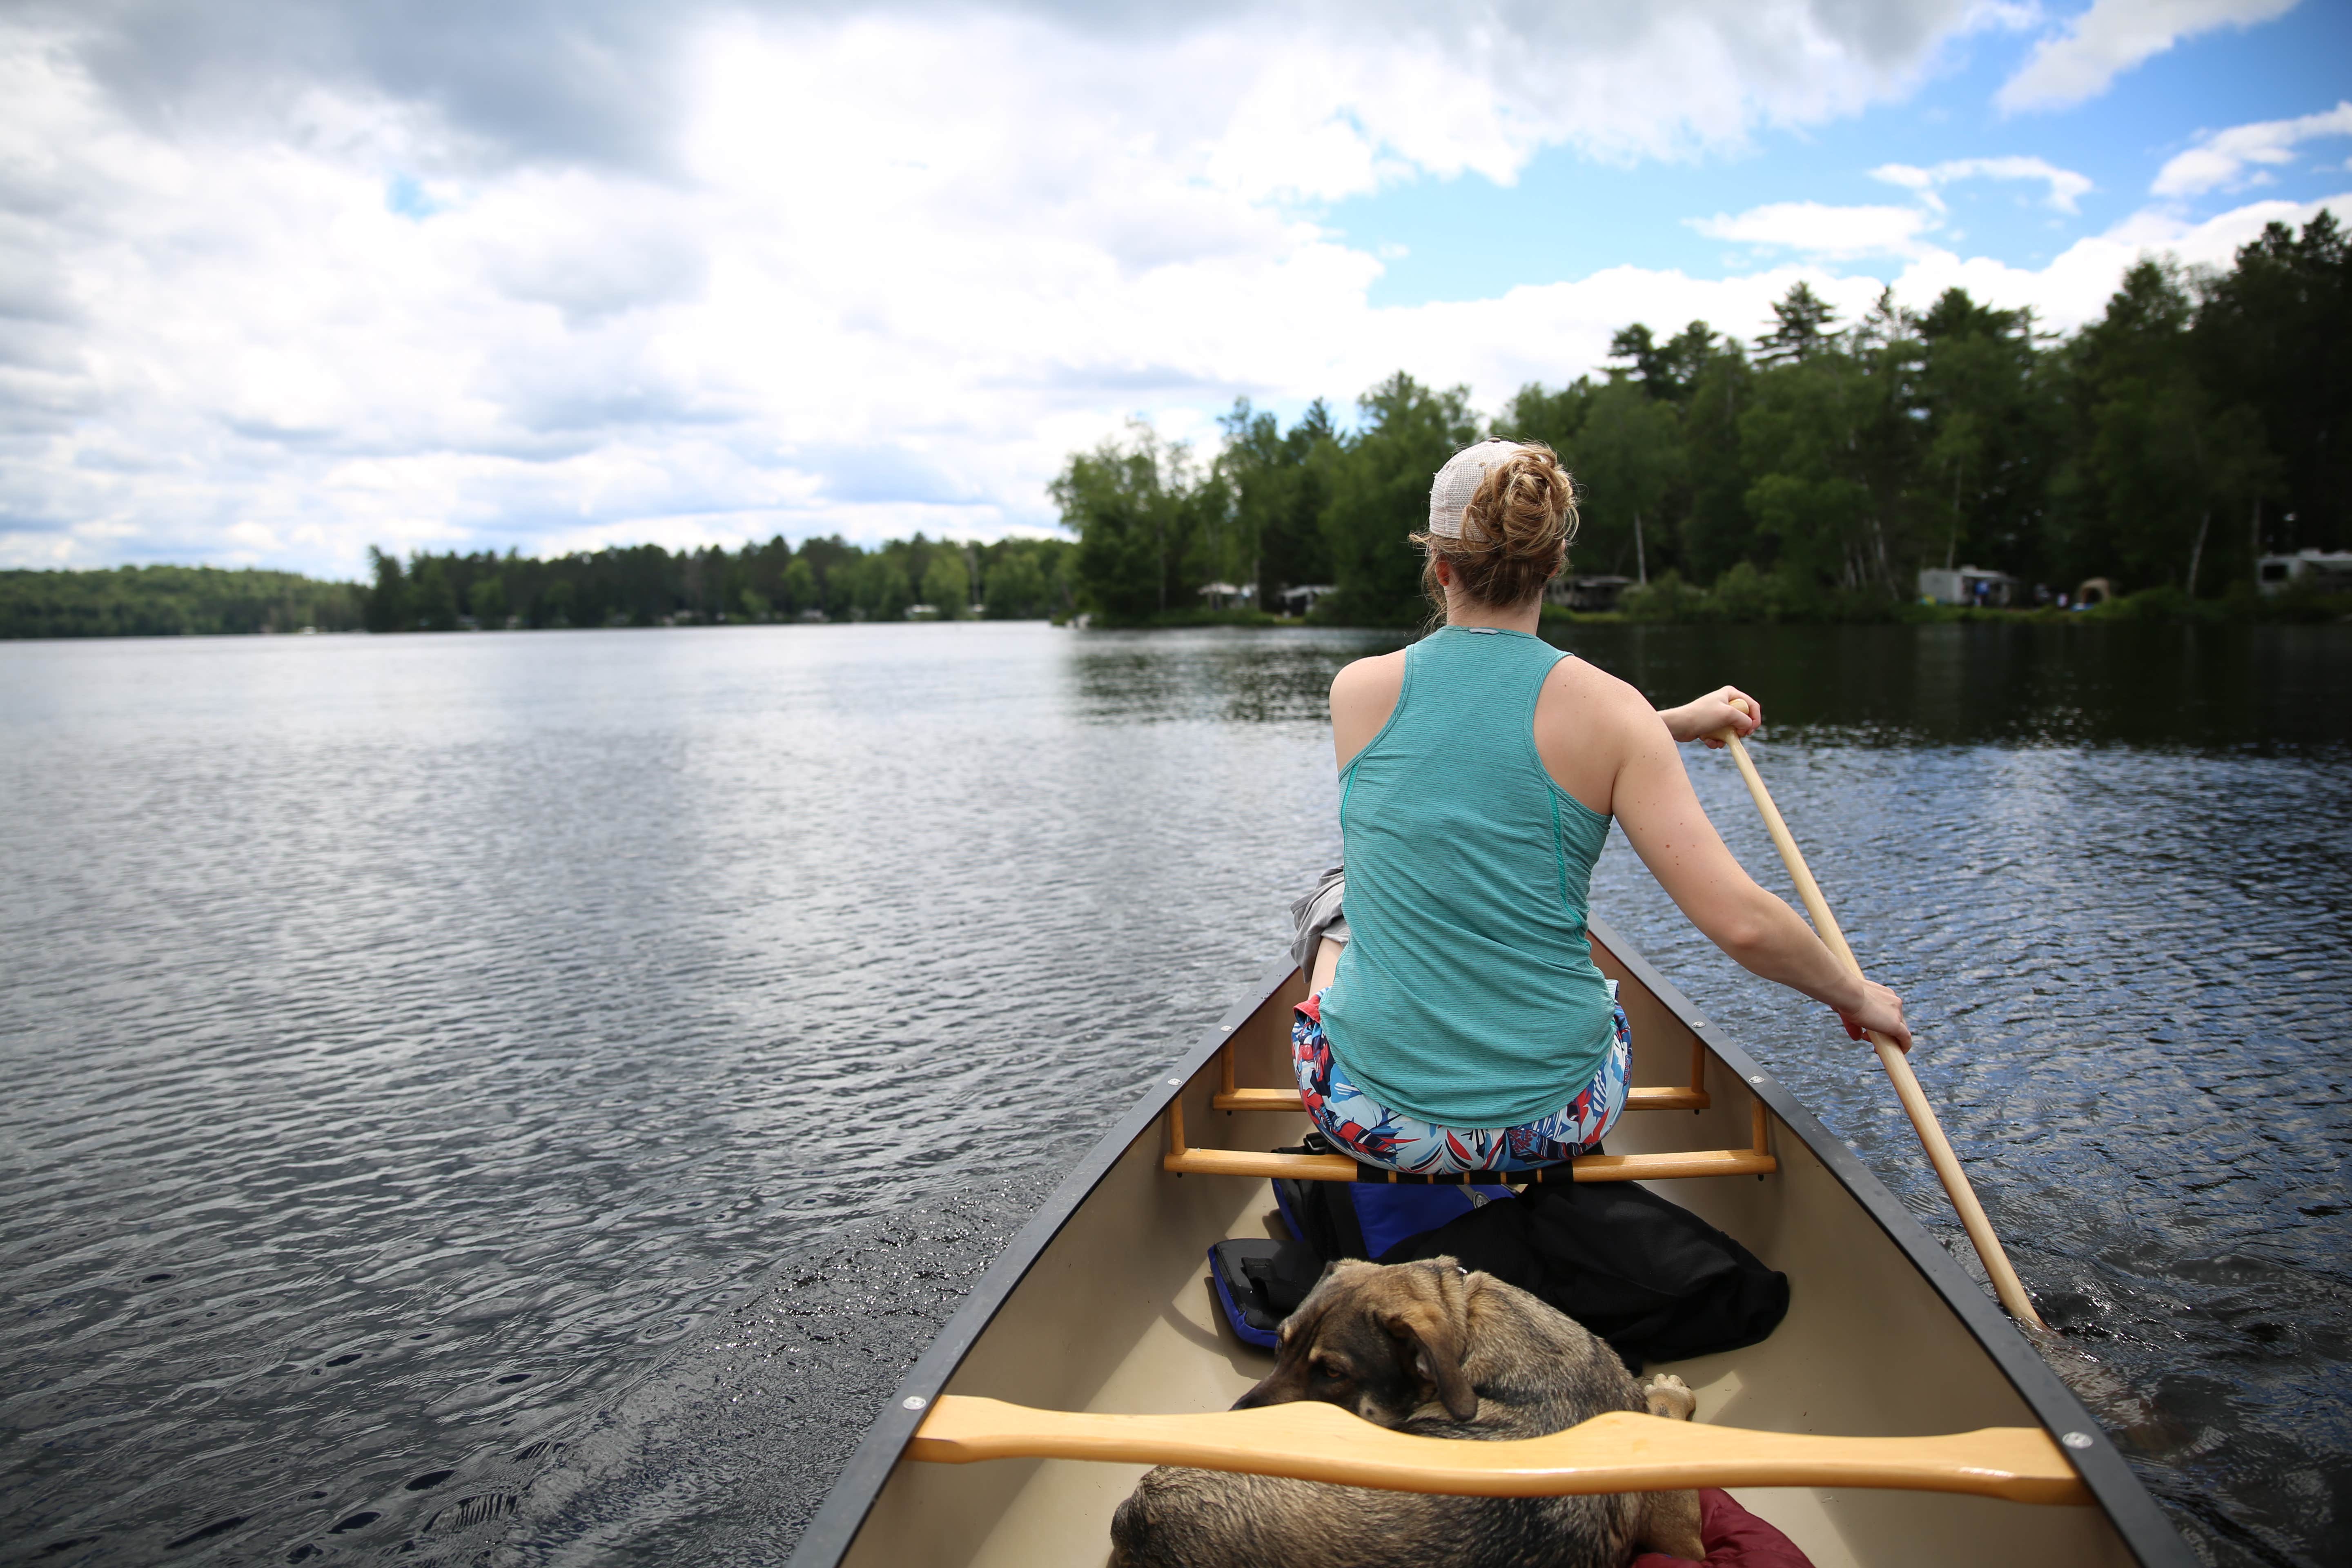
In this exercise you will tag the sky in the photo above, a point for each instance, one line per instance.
(282, 280)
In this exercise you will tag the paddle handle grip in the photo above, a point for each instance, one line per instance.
(1963, 1196)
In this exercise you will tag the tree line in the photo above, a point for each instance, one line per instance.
(817, 580)
(2199, 423)
(643, 585)
(171, 601)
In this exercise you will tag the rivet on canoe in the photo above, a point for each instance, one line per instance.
(1698, 1023)
(1756, 1077)
(2076, 1439)
(1175, 1083)
(914, 1402)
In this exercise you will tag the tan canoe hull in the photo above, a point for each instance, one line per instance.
(1113, 1311)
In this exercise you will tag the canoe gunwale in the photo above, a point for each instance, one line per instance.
(2116, 1489)
(843, 1513)
(2135, 1515)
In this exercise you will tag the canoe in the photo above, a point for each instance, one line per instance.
(1102, 1305)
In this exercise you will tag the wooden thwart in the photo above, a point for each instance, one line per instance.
(1618, 1452)
(1183, 1160)
(1586, 1168)
(1287, 1099)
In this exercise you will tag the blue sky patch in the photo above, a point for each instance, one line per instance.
(406, 195)
(1567, 218)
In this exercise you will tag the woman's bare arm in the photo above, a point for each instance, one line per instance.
(1653, 802)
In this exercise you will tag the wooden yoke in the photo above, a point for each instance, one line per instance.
(1617, 1452)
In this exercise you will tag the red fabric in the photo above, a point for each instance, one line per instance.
(1733, 1538)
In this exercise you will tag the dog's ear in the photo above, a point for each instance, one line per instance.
(1429, 1335)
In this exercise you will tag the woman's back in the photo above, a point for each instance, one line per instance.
(1468, 994)
(1465, 1026)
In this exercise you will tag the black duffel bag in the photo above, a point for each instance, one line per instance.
(1654, 1279)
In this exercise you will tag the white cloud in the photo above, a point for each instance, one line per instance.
(2220, 159)
(868, 270)
(1820, 230)
(885, 272)
(2065, 187)
(2074, 288)
(2114, 35)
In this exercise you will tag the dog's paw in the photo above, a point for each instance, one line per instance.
(1670, 1398)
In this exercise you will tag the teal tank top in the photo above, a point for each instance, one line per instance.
(1466, 994)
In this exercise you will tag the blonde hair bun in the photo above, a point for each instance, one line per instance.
(1501, 515)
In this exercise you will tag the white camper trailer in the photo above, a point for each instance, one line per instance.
(1967, 585)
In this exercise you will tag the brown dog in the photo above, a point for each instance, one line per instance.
(1424, 1348)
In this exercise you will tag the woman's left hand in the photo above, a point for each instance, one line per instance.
(1728, 707)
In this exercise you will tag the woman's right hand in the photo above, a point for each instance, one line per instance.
(1880, 1010)
(1704, 718)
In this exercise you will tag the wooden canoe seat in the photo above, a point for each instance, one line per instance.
(1183, 1160)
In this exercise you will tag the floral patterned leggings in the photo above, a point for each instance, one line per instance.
(1379, 1136)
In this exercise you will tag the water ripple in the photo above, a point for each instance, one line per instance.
(509, 1094)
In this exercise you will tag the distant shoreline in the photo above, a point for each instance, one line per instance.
(204, 601)
(1554, 622)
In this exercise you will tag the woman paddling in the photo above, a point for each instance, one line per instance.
(1456, 1020)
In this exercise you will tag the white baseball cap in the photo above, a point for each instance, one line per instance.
(1449, 492)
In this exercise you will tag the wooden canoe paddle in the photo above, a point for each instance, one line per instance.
(1890, 1056)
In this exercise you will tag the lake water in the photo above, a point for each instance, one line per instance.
(523, 1099)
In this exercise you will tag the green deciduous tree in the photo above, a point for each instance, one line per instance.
(1280, 484)
(882, 590)
(1715, 530)
(1141, 514)
(2272, 336)
(1025, 579)
(947, 585)
(387, 597)
(1808, 495)
(1554, 419)
(2163, 456)
(1627, 459)
(487, 597)
(798, 587)
(434, 600)
(1379, 496)
(1015, 589)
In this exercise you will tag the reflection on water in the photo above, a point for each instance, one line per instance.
(1246, 679)
(424, 1052)
(2166, 688)
(2263, 690)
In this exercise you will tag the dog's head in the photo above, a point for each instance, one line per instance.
(1380, 1342)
